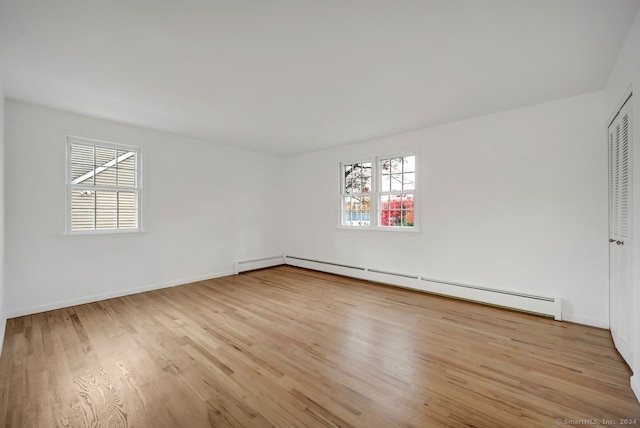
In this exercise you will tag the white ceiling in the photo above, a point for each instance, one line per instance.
(290, 76)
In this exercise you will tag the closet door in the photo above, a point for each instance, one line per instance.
(620, 231)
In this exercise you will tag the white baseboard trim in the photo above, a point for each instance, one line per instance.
(104, 296)
(593, 322)
(3, 327)
(253, 264)
(635, 385)
(544, 305)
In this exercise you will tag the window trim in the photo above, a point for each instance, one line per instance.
(69, 186)
(375, 193)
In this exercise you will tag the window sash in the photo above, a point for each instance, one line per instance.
(360, 216)
(404, 214)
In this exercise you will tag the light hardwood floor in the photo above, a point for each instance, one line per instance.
(287, 347)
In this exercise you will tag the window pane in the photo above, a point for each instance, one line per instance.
(385, 183)
(127, 169)
(104, 155)
(127, 210)
(409, 181)
(346, 203)
(127, 201)
(106, 219)
(363, 203)
(126, 177)
(409, 164)
(407, 210)
(82, 219)
(106, 176)
(120, 153)
(106, 200)
(127, 160)
(128, 220)
(385, 166)
(396, 182)
(347, 170)
(389, 210)
(346, 210)
(106, 210)
(81, 163)
(357, 178)
(83, 199)
(81, 174)
(391, 166)
(81, 154)
(82, 210)
(356, 211)
(396, 165)
(408, 218)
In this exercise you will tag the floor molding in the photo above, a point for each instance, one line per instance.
(635, 385)
(111, 295)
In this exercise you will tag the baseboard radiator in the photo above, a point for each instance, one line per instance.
(253, 264)
(542, 305)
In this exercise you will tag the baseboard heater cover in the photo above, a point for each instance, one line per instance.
(324, 263)
(543, 305)
(401, 275)
(325, 266)
(253, 264)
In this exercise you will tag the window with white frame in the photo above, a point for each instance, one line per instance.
(356, 194)
(380, 194)
(103, 186)
(396, 195)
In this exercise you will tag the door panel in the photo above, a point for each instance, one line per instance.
(620, 231)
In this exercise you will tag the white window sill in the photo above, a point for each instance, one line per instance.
(103, 233)
(382, 229)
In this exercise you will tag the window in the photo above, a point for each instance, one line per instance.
(356, 194)
(380, 194)
(396, 195)
(103, 186)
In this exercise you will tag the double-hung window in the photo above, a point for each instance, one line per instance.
(356, 194)
(103, 187)
(379, 194)
(396, 195)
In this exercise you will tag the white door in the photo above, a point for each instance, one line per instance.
(620, 232)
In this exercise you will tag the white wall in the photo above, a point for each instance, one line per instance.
(205, 205)
(624, 76)
(3, 308)
(515, 200)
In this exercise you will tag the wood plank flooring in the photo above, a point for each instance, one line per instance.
(288, 347)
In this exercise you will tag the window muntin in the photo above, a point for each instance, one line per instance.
(380, 194)
(103, 186)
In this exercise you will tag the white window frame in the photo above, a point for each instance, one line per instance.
(375, 194)
(70, 187)
(414, 192)
(370, 194)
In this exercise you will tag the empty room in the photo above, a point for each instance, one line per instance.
(340, 213)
